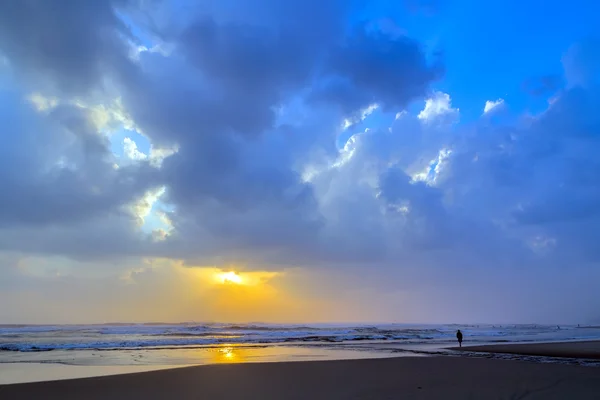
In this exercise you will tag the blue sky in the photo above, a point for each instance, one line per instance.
(156, 144)
(491, 50)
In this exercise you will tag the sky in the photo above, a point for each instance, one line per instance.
(427, 161)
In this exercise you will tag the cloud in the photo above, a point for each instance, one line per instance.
(437, 107)
(71, 47)
(158, 290)
(377, 68)
(131, 150)
(493, 106)
(58, 168)
(242, 114)
(234, 181)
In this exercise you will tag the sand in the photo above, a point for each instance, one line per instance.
(37, 372)
(590, 349)
(389, 378)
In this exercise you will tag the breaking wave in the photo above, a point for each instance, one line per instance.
(35, 338)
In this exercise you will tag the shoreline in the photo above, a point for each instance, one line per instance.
(584, 353)
(404, 377)
(589, 350)
(37, 367)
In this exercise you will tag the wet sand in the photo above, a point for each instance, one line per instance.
(390, 378)
(590, 349)
(37, 372)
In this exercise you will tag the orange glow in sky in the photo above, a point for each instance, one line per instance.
(230, 277)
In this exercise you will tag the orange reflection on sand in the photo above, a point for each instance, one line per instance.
(229, 354)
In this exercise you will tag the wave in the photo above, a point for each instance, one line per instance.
(166, 328)
(265, 328)
(179, 343)
(32, 338)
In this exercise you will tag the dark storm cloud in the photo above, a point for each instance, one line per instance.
(537, 180)
(216, 88)
(373, 67)
(68, 45)
(234, 182)
(252, 96)
(57, 168)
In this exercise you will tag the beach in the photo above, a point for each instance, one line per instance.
(283, 361)
(583, 349)
(389, 378)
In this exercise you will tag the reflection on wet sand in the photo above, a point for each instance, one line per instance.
(228, 354)
(232, 353)
(63, 364)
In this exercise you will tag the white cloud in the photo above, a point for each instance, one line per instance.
(135, 51)
(162, 233)
(439, 108)
(131, 150)
(43, 103)
(364, 113)
(158, 155)
(142, 208)
(433, 170)
(491, 106)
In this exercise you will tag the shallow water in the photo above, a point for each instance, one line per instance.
(157, 345)
(18, 367)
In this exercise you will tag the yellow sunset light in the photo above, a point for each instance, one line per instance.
(230, 277)
(228, 353)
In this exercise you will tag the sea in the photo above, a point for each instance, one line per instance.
(162, 345)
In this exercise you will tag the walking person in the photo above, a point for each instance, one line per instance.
(459, 337)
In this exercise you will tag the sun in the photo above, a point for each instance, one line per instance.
(230, 277)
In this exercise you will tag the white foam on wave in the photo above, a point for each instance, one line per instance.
(28, 338)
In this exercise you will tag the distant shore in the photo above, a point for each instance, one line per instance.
(405, 377)
(580, 349)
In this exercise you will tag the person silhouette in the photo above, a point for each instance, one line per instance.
(459, 337)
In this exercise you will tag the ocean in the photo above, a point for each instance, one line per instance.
(28, 339)
(195, 343)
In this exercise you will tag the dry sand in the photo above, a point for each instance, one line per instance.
(391, 378)
(589, 349)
